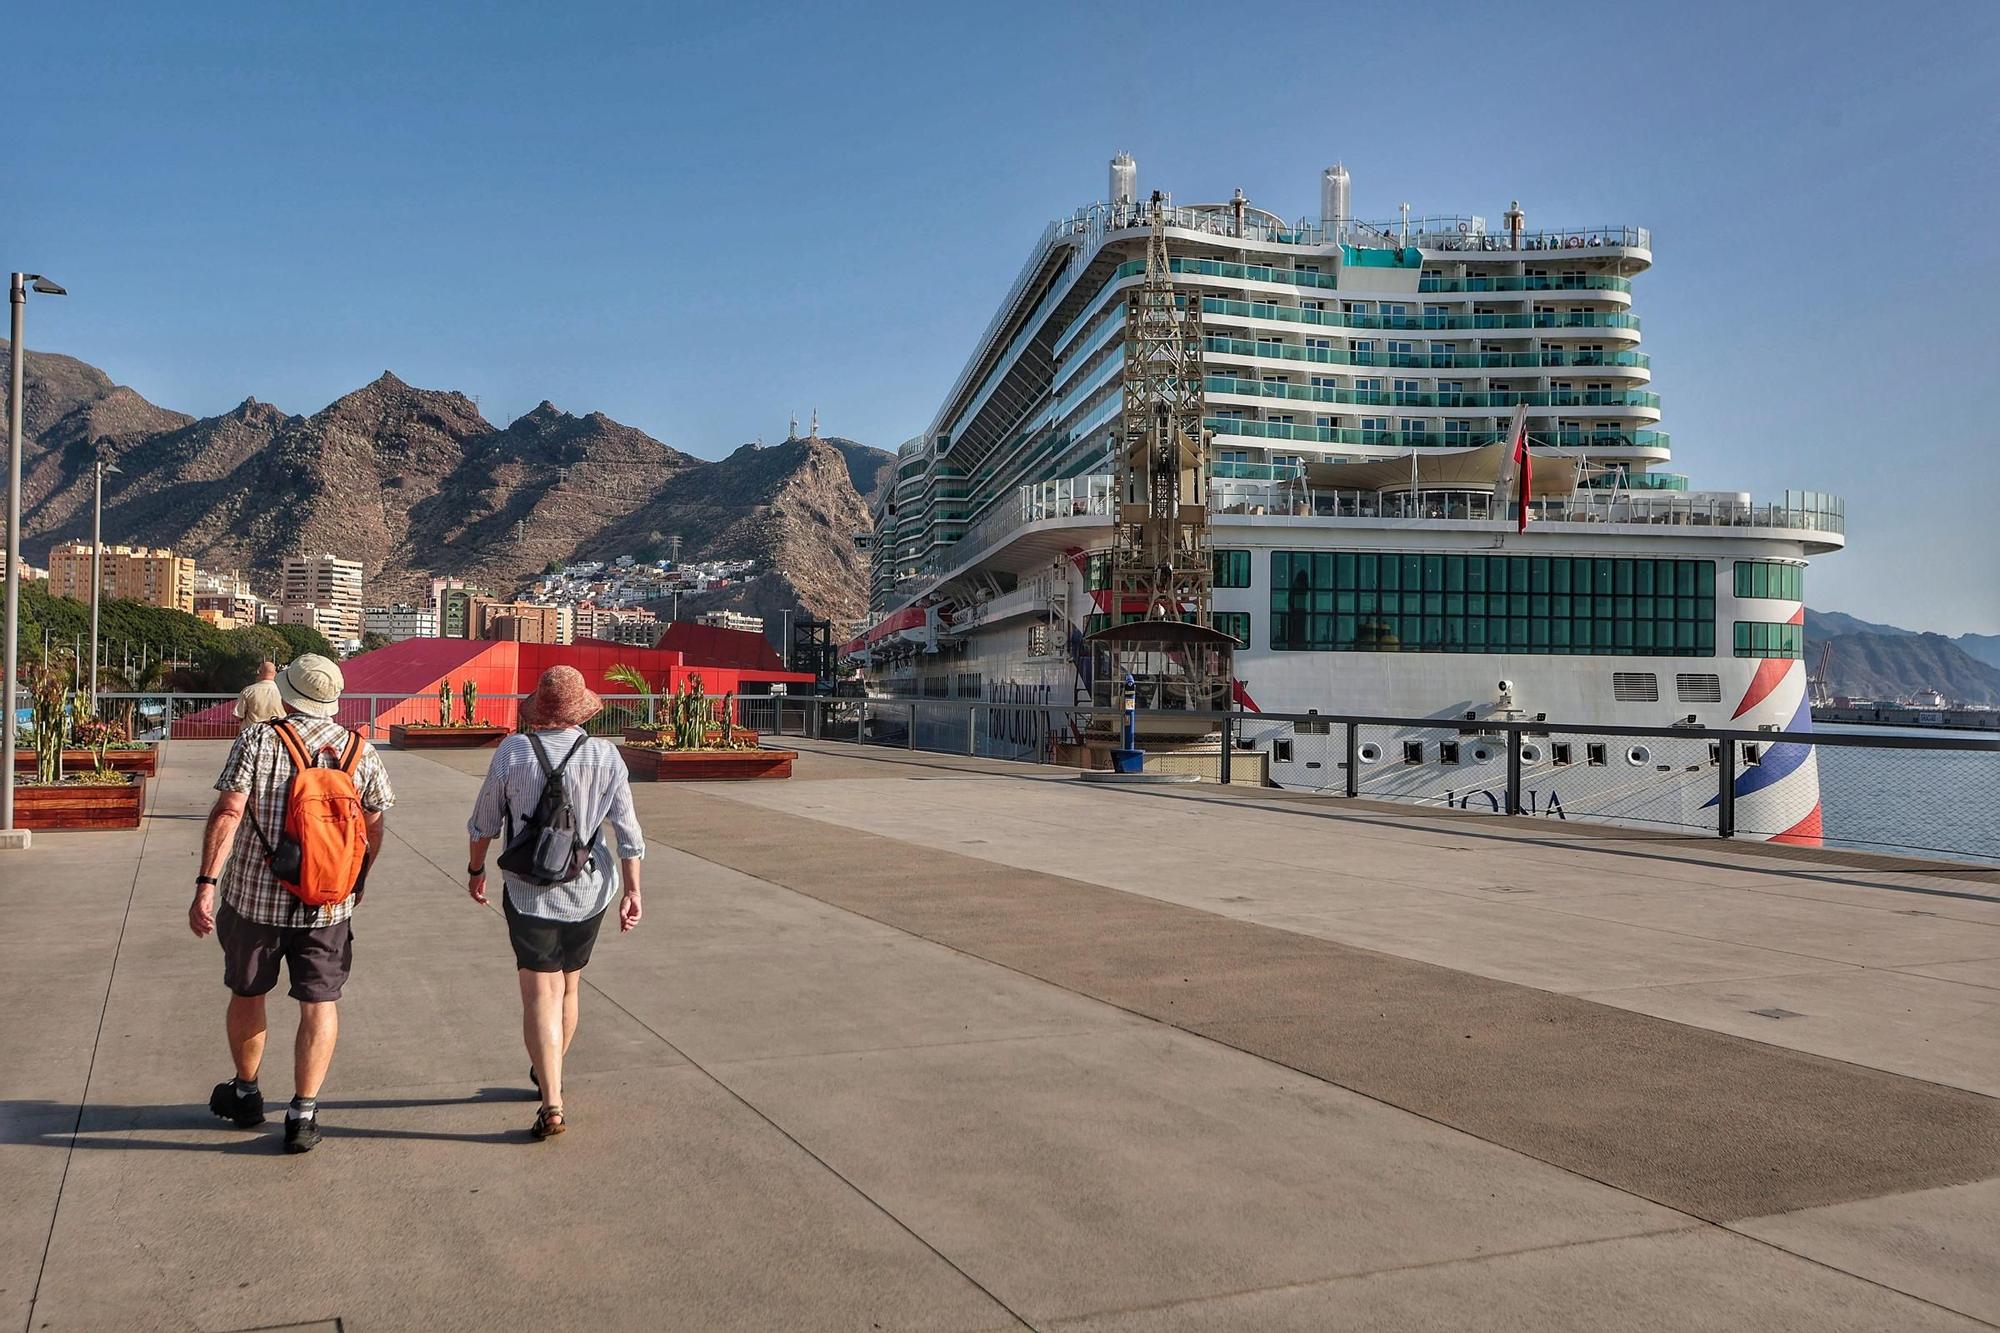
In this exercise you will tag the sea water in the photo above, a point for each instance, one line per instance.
(1942, 801)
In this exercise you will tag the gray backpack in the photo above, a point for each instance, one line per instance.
(545, 851)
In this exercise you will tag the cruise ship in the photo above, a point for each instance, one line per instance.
(1360, 385)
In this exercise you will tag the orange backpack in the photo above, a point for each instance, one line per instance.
(323, 845)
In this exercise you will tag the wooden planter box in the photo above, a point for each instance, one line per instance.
(640, 735)
(81, 807)
(133, 759)
(647, 765)
(445, 738)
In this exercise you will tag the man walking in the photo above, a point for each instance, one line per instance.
(261, 921)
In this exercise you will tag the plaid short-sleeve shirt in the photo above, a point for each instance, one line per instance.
(259, 767)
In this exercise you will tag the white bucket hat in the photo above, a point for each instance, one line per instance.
(311, 685)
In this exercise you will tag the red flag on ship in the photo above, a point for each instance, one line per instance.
(1524, 468)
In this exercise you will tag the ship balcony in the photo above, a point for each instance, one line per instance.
(1497, 282)
(1607, 323)
(1503, 399)
(1817, 519)
(1642, 443)
(1623, 364)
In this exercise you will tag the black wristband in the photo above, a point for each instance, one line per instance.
(204, 879)
(475, 870)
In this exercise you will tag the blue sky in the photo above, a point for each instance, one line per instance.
(701, 219)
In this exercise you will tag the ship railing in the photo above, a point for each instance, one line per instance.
(1438, 232)
(1799, 511)
(1877, 791)
(1067, 497)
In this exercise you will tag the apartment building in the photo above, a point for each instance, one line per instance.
(155, 576)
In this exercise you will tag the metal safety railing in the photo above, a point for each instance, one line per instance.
(1865, 789)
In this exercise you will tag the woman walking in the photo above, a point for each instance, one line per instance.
(553, 926)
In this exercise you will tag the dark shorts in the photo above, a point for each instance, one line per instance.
(542, 945)
(318, 958)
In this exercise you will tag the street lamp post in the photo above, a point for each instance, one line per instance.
(97, 567)
(17, 298)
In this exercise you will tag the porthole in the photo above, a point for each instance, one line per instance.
(1369, 752)
(1638, 756)
(1482, 754)
(1531, 753)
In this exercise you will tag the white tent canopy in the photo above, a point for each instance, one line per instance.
(1480, 469)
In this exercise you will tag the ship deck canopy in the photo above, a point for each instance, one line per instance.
(1445, 469)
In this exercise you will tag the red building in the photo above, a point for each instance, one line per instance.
(399, 682)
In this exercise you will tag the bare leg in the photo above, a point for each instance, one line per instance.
(572, 987)
(246, 1035)
(312, 1052)
(542, 1029)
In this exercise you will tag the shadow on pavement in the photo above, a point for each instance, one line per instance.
(56, 1125)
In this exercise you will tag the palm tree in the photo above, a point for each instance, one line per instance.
(634, 680)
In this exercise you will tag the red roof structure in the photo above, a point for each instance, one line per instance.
(399, 682)
(739, 648)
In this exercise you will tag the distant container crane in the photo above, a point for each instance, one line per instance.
(1819, 690)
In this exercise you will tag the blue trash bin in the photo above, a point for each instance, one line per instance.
(1128, 761)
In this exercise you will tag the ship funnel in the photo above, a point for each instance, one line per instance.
(1334, 210)
(1124, 179)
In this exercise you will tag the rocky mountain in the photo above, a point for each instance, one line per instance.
(1887, 662)
(1985, 647)
(415, 483)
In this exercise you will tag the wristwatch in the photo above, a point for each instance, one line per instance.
(200, 880)
(472, 871)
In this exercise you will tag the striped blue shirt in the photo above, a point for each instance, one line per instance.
(600, 791)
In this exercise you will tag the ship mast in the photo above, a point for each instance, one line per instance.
(1160, 553)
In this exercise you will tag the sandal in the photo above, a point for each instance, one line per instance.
(549, 1122)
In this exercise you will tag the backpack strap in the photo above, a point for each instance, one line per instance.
(293, 745)
(352, 758)
(300, 761)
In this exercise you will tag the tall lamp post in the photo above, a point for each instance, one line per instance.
(101, 467)
(17, 298)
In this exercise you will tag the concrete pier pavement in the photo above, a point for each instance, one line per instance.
(920, 1042)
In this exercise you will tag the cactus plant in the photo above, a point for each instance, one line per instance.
(468, 699)
(49, 724)
(444, 703)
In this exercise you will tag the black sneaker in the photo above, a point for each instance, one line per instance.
(301, 1133)
(245, 1110)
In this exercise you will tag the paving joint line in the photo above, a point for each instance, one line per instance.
(90, 1070)
(757, 1111)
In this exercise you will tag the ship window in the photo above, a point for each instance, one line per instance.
(1366, 601)
(1413, 752)
(1760, 638)
(1559, 752)
(1236, 624)
(1232, 569)
(1447, 752)
(1594, 754)
(1281, 751)
(1770, 578)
